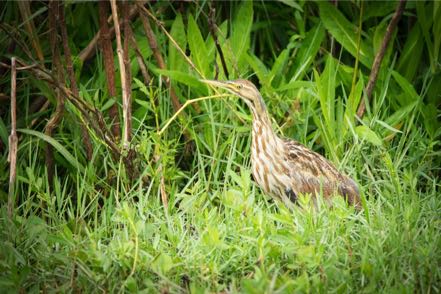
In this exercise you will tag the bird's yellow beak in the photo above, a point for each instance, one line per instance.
(218, 84)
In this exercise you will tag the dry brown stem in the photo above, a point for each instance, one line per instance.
(54, 13)
(122, 70)
(139, 58)
(147, 13)
(26, 15)
(73, 83)
(213, 27)
(127, 110)
(13, 140)
(158, 56)
(379, 58)
(106, 47)
(89, 51)
(91, 115)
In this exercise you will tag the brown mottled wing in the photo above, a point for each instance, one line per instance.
(312, 172)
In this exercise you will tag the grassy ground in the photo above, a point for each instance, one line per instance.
(100, 231)
(219, 233)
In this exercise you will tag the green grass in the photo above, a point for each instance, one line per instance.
(219, 232)
(99, 231)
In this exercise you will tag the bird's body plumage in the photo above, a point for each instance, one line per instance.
(285, 168)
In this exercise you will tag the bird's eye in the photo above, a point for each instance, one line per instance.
(238, 87)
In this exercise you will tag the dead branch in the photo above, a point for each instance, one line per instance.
(122, 70)
(13, 140)
(73, 83)
(157, 54)
(89, 50)
(147, 13)
(25, 12)
(139, 58)
(128, 71)
(54, 13)
(93, 117)
(158, 57)
(164, 196)
(106, 47)
(379, 58)
(212, 26)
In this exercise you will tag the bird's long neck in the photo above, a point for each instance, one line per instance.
(263, 134)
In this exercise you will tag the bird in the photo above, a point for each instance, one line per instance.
(283, 168)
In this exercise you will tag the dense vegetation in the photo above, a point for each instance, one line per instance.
(178, 211)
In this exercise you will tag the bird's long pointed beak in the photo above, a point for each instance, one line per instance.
(218, 84)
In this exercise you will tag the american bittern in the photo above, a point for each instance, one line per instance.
(285, 168)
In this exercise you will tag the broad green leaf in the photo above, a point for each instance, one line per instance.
(433, 93)
(345, 32)
(377, 8)
(241, 30)
(300, 22)
(411, 55)
(162, 263)
(108, 103)
(197, 46)
(60, 148)
(367, 134)
(278, 66)
(293, 4)
(399, 115)
(409, 91)
(177, 32)
(258, 67)
(141, 85)
(425, 20)
(326, 91)
(351, 106)
(388, 127)
(431, 121)
(308, 51)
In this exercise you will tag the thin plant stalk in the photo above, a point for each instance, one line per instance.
(122, 70)
(379, 58)
(13, 140)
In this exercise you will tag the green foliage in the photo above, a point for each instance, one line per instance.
(98, 229)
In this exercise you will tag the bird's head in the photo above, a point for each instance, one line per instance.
(242, 88)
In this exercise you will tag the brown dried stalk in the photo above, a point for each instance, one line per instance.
(127, 110)
(157, 54)
(122, 70)
(26, 15)
(106, 47)
(73, 83)
(213, 27)
(139, 58)
(54, 13)
(161, 64)
(13, 140)
(89, 51)
(146, 12)
(93, 117)
(379, 58)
